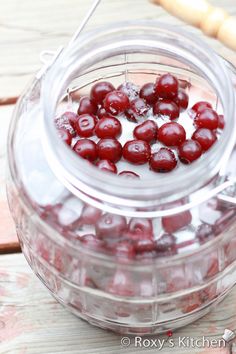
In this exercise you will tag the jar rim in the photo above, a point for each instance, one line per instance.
(108, 187)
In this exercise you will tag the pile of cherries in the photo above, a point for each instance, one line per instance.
(98, 117)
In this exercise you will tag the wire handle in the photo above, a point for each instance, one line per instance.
(213, 21)
(85, 21)
(48, 57)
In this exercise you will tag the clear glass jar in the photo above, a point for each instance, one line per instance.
(56, 198)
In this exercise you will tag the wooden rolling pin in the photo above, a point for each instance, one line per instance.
(213, 21)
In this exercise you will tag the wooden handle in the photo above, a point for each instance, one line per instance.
(213, 21)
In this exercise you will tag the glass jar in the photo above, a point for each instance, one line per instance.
(59, 202)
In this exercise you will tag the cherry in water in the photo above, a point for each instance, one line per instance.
(205, 137)
(137, 152)
(204, 233)
(140, 228)
(166, 243)
(207, 118)
(116, 102)
(100, 90)
(182, 100)
(109, 149)
(110, 225)
(146, 131)
(189, 151)
(130, 89)
(121, 285)
(109, 127)
(123, 249)
(65, 135)
(167, 86)
(166, 108)
(143, 245)
(201, 106)
(86, 106)
(85, 125)
(138, 108)
(69, 117)
(93, 242)
(107, 165)
(90, 215)
(129, 174)
(163, 161)
(87, 149)
(221, 123)
(148, 93)
(171, 134)
(102, 113)
(176, 222)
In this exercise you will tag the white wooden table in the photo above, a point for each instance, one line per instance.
(31, 322)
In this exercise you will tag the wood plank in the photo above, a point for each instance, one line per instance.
(8, 238)
(32, 322)
(28, 27)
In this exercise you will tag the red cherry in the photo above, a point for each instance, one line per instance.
(182, 100)
(43, 251)
(207, 118)
(92, 242)
(137, 152)
(100, 90)
(205, 137)
(163, 161)
(189, 151)
(144, 245)
(221, 123)
(176, 222)
(138, 108)
(148, 93)
(201, 106)
(224, 221)
(106, 165)
(166, 108)
(121, 285)
(109, 149)
(171, 134)
(143, 256)
(213, 267)
(177, 279)
(108, 128)
(131, 90)
(146, 131)
(140, 228)
(87, 149)
(84, 280)
(86, 106)
(85, 125)
(69, 117)
(110, 225)
(166, 243)
(116, 102)
(102, 113)
(124, 249)
(204, 233)
(167, 86)
(129, 174)
(90, 215)
(65, 135)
